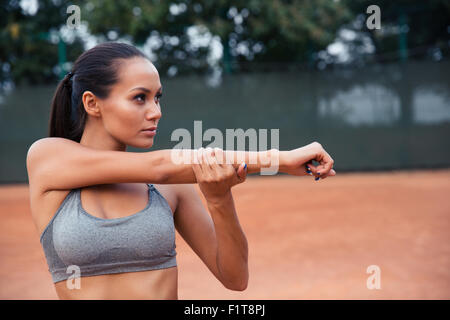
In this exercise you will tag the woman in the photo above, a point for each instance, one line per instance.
(100, 220)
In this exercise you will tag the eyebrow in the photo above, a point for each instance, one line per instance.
(144, 89)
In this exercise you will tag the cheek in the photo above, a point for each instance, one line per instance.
(124, 118)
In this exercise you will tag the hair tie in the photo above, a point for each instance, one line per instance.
(67, 80)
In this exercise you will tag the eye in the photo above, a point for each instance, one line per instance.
(140, 97)
(158, 97)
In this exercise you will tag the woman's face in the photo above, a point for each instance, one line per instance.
(133, 103)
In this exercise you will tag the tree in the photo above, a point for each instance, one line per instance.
(254, 34)
(250, 31)
(27, 53)
(409, 28)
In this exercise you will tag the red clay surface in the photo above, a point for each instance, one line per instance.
(307, 240)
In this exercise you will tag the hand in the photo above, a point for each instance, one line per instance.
(214, 176)
(296, 161)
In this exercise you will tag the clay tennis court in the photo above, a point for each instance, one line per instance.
(307, 239)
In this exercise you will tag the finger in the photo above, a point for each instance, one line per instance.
(220, 157)
(212, 159)
(315, 170)
(308, 166)
(217, 171)
(203, 161)
(330, 174)
(242, 171)
(319, 172)
(204, 156)
(209, 158)
(327, 162)
(207, 172)
(207, 163)
(197, 156)
(226, 168)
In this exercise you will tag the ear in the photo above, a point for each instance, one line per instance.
(90, 103)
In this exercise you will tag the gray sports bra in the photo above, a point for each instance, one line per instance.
(142, 241)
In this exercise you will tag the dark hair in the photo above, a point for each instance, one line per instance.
(94, 70)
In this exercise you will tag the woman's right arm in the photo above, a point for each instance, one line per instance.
(62, 164)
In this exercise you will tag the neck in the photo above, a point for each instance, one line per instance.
(95, 136)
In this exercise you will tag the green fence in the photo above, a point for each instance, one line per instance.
(374, 118)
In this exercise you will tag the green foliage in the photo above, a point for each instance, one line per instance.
(252, 32)
(26, 52)
(427, 25)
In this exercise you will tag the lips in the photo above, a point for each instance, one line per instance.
(150, 132)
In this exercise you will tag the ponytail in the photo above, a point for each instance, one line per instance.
(64, 121)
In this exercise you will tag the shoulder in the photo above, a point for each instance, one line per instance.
(42, 204)
(46, 143)
(44, 148)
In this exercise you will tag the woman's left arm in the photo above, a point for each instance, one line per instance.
(232, 247)
(217, 238)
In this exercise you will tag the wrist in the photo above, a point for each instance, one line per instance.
(219, 200)
(283, 160)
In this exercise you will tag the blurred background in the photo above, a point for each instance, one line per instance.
(376, 99)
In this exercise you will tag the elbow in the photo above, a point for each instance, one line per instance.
(239, 284)
(241, 287)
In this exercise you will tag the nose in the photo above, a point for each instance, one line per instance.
(153, 111)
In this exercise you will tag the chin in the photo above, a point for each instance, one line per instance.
(148, 146)
(141, 145)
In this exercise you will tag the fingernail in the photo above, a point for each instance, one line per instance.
(317, 178)
(245, 167)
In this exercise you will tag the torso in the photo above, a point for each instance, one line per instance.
(109, 202)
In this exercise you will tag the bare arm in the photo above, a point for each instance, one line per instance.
(216, 237)
(232, 247)
(63, 164)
